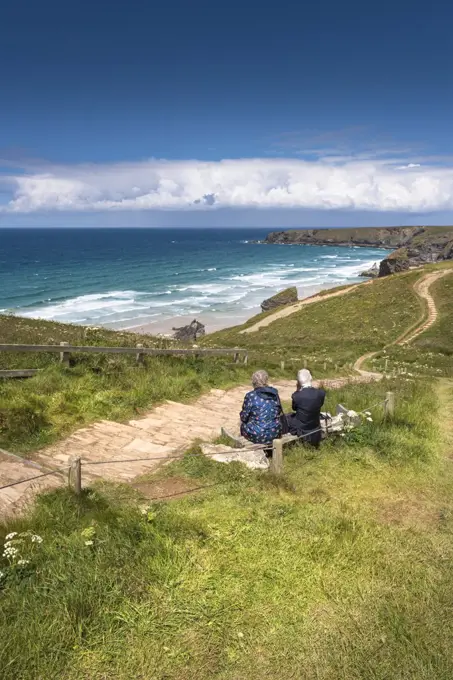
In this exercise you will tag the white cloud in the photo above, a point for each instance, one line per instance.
(252, 183)
(409, 166)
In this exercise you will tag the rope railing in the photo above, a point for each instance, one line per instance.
(32, 479)
(75, 469)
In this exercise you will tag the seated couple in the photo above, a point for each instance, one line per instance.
(262, 416)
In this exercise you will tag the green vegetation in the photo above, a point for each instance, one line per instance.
(431, 354)
(39, 410)
(339, 569)
(16, 330)
(336, 330)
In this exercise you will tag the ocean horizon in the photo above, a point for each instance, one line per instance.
(151, 278)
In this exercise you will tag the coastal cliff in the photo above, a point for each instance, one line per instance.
(413, 246)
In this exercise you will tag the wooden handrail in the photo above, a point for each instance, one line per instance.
(122, 350)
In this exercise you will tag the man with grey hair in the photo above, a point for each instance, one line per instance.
(307, 402)
(261, 411)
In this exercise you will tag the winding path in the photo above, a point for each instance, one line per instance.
(422, 287)
(167, 430)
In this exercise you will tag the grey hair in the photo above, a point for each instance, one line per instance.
(260, 379)
(304, 377)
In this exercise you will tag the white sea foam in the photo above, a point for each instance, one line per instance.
(226, 293)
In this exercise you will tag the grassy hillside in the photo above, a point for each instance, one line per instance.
(339, 329)
(37, 411)
(431, 353)
(340, 569)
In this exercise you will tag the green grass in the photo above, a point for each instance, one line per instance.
(339, 569)
(336, 330)
(40, 410)
(430, 354)
(18, 330)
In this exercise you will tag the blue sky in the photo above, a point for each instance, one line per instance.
(238, 113)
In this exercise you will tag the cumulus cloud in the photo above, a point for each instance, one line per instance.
(234, 183)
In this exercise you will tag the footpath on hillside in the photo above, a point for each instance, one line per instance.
(123, 451)
(120, 452)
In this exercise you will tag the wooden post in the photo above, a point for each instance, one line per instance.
(139, 357)
(389, 405)
(336, 368)
(236, 357)
(325, 366)
(305, 363)
(386, 365)
(246, 359)
(75, 475)
(282, 364)
(276, 466)
(64, 356)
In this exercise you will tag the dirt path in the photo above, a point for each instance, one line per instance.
(422, 287)
(290, 309)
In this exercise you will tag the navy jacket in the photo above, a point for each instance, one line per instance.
(307, 405)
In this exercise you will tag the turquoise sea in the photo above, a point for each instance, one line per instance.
(123, 278)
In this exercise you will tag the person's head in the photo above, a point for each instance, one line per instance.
(260, 379)
(304, 377)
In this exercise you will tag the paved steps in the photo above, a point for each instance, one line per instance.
(166, 431)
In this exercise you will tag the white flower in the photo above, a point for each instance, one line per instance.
(370, 419)
(89, 542)
(11, 535)
(10, 551)
(36, 539)
(23, 563)
(367, 413)
(2, 575)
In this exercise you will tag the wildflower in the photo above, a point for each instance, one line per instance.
(367, 413)
(11, 535)
(35, 538)
(10, 552)
(370, 419)
(23, 563)
(89, 543)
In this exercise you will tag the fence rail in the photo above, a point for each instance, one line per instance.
(19, 373)
(64, 349)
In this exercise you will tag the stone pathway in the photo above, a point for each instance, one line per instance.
(167, 430)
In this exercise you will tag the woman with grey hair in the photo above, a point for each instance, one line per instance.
(307, 403)
(261, 411)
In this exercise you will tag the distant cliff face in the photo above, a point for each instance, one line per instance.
(385, 237)
(414, 246)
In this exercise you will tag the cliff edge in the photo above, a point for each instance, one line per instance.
(413, 246)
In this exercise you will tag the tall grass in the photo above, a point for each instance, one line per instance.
(340, 569)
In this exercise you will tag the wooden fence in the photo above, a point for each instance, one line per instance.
(65, 349)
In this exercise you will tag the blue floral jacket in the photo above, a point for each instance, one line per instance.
(260, 415)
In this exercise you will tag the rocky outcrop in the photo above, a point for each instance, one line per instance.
(189, 333)
(432, 246)
(382, 237)
(285, 297)
(371, 273)
(413, 246)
